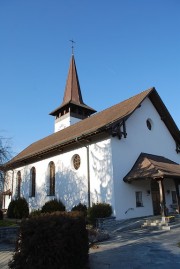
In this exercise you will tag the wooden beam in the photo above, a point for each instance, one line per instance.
(115, 129)
(177, 148)
(162, 198)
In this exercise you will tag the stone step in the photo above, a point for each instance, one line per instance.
(166, 224)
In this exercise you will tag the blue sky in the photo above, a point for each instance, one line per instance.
(122, 48)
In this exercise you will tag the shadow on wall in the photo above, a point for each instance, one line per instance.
(102, 173)
(71, 186)
(40, 192)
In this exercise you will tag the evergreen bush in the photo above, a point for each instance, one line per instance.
(1, 215)
(81, 208)
(35, 213)
(18, 209)
(99, 210)
(53, 206)
(10, 211)
(58, 241)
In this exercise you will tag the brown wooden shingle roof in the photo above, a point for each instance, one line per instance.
(72, 93)
(153, 167)
(97, 123)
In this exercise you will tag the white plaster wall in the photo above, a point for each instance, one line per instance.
(102, 187)
(64, 121)
(71, 185)
(126, 151)
(7, 186)
(110, 161)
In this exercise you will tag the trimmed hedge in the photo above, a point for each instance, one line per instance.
(35, 213)
(100, 210)
(81, 208)
(53, 206)
(58, 241)
(1, 215)
(18, 209)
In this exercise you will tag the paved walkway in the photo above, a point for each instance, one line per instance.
(6, 252)
(138, 249)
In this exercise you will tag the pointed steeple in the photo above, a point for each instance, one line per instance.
(72, 90)
(72, 108)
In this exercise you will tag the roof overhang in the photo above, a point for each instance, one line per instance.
(109, 121)
(66, 105)
(150, 166)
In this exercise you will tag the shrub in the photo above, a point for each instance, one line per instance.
(35, 213)
(53, 206)
(1, 215)
(56, 240)
(81, 208)
(100, 210)
(10, 211)
(18, 209)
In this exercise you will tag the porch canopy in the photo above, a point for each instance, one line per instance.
(153, 167)
(157, 168)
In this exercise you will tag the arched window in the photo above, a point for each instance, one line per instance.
(51, 179)
(32, 182)
(18, 184)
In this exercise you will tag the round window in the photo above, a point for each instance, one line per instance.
(149, 124)
(76, 161)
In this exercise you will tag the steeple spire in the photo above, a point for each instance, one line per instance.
(72, 108)
(72, 90)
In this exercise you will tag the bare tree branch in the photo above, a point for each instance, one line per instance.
(5, 155)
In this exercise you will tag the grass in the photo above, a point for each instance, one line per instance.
(8, 223)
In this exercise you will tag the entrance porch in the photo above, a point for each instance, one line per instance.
(164, 177)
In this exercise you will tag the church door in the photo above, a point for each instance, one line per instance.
(155, 197)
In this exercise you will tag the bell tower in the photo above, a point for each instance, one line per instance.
(72, 109)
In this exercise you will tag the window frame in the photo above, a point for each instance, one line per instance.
(32, 182)
(51, 179)
(19, 180)
(76, 161)
(139, 200)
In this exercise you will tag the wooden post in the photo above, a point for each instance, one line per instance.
(176, 182)
(162, 198)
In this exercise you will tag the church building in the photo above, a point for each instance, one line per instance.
(127, 155)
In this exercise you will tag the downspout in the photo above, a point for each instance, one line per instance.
(12, 183)
(88, 177)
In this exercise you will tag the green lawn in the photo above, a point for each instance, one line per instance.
(7, 223)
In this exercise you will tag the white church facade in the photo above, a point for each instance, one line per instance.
(127, 155)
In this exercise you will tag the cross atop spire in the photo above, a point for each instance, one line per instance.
(72, 45)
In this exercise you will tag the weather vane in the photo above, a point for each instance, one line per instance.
(72, 41)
